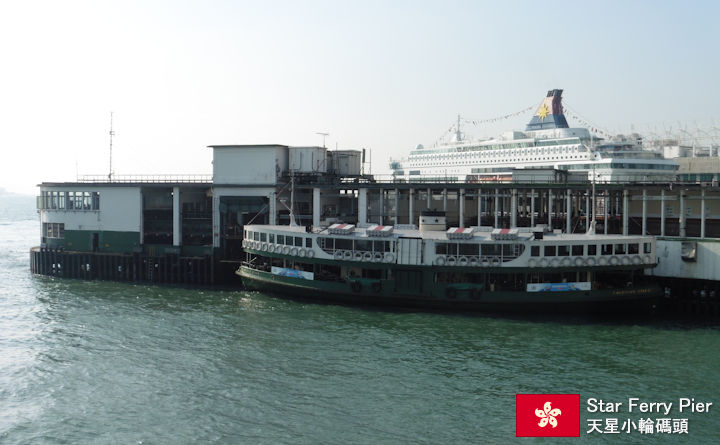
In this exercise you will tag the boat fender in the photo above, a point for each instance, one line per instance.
(356, 286)
(367, 256)
(293, 251)
(376, 287)
(377, 257)
(310, 253)
(462, 261)
(338, 254)
(475, 293)
(271, 248)
(451, 292)
(301, 252)
(554, 262)
(440, 261)
(389, 257)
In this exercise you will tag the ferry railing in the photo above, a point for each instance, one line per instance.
(162, 178)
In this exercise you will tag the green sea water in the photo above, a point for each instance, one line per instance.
(116, 363)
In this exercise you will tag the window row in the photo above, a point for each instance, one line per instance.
(68, 200)
(592, 249)
(330, 245)
(286, 240)
(477, 249)
(54, 230)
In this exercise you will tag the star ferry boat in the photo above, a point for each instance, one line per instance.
(547, 142)
(474, 268)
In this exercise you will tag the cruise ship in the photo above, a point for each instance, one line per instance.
(547, 142)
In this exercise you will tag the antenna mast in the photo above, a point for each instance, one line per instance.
(112, 133)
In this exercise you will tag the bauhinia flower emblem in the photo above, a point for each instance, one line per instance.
(547, 415)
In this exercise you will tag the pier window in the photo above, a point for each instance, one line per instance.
(549, 250)
(54, 230)
(281, 239)
(577, 250)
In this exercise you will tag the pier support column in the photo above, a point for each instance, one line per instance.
(316, 207)
(682, 218)
(497, 207)
(397, 207)
(662, 212)
(272, 204)
(606, 203)
(177, 218)
(513, 208)
(702, 213)
(444, 200)
(216, 220)
(568, 211)
(461, 207)
(532, 207)
(382, 207)
(644, 212)
(429, 199)
(411, 207)
(587, 209)
(479, 207)
(362, 206)
(626, 212)
(550, 208)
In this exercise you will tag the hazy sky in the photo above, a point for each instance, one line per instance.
(386, 75)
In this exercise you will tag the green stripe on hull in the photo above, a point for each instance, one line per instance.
(108, 241)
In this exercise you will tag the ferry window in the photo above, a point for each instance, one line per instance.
(563, 250)
(441, 248)
(452, 249)
(364, 245)
(271, 238)
(245, 234)
(308, 242)
(263, 237)
(345, 244)
(633, 248)
(607, 249)
(256, 236)
(288, 240)
(549, 250)
(281, 239)
(95, 201)
(298, 241)
(469, 249)
(620, 248)
(647, 247)
(381, 246)
(577, 250)
(507, 251)
(87, 201)
(535, 251)
(491, 249)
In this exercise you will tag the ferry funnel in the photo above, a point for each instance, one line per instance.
(549, 114)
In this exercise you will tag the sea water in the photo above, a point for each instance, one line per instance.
(103, 362)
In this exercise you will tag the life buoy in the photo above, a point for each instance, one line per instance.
(614, 261)
(244, 243)
(356, 286)
(636, 260)
(377, 257)
(473, 261)
(301, 252)
(347, 254)
(440, 261)
(338, 254)
(462, 261)
(648, 259)
(484, 262)
(389, 257)
(358, 256)
(602, 261)
(626, 261)
(271, 248)
(532, 262)
(264, 247)
(294, 251)
(554, 262)
(286, 250)
(565, 262)
(451, 260)
(590, 261)
(376, 287)
(451, 292)
(579, 262)
(310, 253)
(495, 261)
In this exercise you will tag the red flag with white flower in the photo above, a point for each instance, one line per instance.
(547, 415)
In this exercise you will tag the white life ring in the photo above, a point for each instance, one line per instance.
(378, 257)
(565, 262)
(440, 260)
(301, 252)
(473, 261)
(602, 261)
(357, 256)
(264, 247)
(389, 257)
(451, 260)
(543, 262)
(271, 248)
(614, 261)
(532, 262)
(637, 260)
(495, 261)
(244, 243)
(367, 256)
(579, 262)
(648, 259)
(310, 253)
(484, 261)
(462, 261)
(286, 250)
(338, 254)
(626, 261)
(294, 251)
(590, 261)
(554, 262)
(347, 254)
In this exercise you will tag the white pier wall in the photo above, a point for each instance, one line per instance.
(670, 263)
(120, 210)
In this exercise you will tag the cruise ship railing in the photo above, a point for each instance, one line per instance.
(189, 178)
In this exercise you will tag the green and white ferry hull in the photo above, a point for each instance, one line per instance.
(457, 269)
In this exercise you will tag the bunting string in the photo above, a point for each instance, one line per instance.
(477, 122)
(584, 122)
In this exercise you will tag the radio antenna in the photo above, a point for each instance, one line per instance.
(112, 133)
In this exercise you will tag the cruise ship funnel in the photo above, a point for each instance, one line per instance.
(549, 114)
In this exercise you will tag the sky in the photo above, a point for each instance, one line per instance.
(382, 75)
